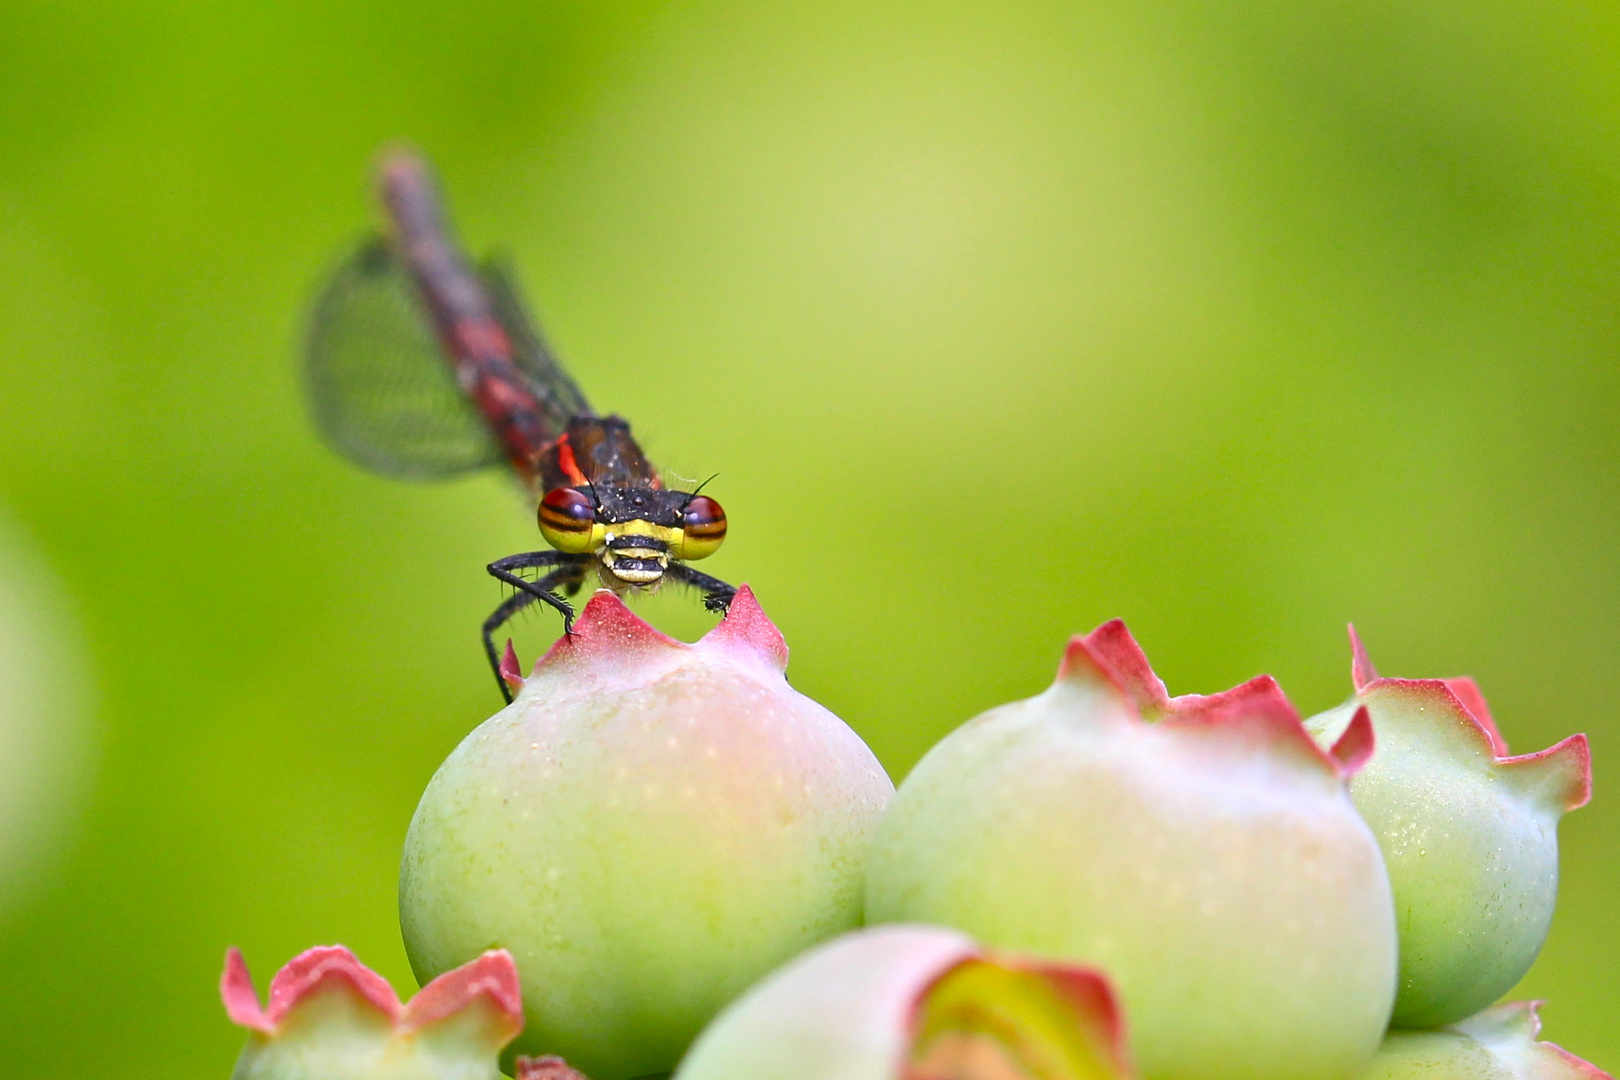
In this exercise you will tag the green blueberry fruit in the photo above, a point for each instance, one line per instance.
(1498, 1044)
(649, 827)
(915, 1003)
(332, 1018)
(1469, 834)
(1211, 862)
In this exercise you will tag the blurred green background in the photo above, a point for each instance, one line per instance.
(1238, 321)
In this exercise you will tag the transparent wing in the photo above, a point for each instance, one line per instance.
(559, 395)
(380, 387)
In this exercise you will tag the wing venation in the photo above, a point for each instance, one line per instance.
(380, 387)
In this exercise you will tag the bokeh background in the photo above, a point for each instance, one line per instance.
(1236, 320)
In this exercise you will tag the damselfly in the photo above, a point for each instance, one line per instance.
(422, 365)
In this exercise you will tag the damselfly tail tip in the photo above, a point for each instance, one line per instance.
(402, 164)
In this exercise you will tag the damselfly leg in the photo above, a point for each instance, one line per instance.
(716, 593)
(569, 573)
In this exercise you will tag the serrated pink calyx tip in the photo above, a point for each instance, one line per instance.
(1112, 646)
(511, 669)
(746, 627)
(1458, 696)
(606, 623)
(1467, 691)
(1260, 709)
(1362, 671)
(1522, 1018)
(492, 977)
(1356, 743)
(549, 1067)
(607, 630)
(1109, 657)
(323, 966)
(1084, 664)
(1562, 773)
(1520, 1022)
(241, 999)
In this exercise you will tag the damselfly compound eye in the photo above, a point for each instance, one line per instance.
(703, 527)
(568, 520)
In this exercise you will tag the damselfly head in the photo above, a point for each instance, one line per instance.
(634, 531)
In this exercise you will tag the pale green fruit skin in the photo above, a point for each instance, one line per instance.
(1498, 1044)
(1231, 892)
(649, 828)
(1471, 844)
(840, 1012)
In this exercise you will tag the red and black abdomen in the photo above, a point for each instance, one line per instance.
(500, 362)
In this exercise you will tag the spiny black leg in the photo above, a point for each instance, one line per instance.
(716, 593)
(570, 569)
(502, 569)
(526, 560)
(503, 614)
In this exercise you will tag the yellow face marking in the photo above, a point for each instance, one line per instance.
(669, 535)
(637, 530)
(595, 542)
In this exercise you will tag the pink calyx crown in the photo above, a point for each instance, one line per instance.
(1563, 771)
(1258, 709)
(491, 978)
(608, 633)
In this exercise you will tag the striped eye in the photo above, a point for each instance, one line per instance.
(568, 520)
(703, 527)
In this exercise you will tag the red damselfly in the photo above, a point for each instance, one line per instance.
(422, 364)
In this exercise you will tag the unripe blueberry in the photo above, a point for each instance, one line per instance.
(649, 828)
(915, 1003)
(1210, 862)
(1470, 836)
